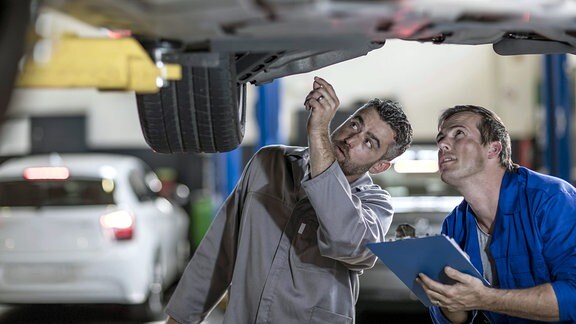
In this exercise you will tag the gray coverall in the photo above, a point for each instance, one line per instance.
(287, 248)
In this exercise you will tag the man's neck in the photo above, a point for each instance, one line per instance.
(482, 195)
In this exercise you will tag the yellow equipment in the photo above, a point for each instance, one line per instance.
(103, 63)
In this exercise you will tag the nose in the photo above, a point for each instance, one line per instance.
(352, 139)
(443, 146)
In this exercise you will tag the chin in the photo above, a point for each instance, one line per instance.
(444, 177)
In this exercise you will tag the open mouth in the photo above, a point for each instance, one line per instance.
(446, 160)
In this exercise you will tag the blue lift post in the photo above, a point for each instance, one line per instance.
(231, 164)
(268, 114)
(557, 96)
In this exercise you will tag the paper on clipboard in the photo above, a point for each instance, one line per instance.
(429, 255)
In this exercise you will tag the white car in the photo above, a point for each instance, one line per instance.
(88, 228)
(380, 289)
(421, 200)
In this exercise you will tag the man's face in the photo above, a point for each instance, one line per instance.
(460, 152)
(361, 141)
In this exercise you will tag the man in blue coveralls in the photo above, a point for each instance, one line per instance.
(518, 227)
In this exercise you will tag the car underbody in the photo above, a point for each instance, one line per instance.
(222, 45)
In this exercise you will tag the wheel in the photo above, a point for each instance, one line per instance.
(14, 19)
(205, 111)
(152, 309)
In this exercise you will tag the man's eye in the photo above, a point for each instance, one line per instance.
(353, 125)
(369, 144)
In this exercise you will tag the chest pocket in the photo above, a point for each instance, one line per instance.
(524, 271)
(518, 254)
(303, 231)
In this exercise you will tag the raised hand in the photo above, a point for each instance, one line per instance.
(322, 103)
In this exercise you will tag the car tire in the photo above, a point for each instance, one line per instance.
(203, 112)
(14, 22)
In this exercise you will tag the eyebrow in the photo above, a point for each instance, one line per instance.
(370, 134)
(441, 134)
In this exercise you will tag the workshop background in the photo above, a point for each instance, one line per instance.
(424, 78)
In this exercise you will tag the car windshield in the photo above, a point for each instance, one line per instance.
(56, 193)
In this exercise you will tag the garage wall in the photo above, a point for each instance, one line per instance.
(426, 79)
(111, 117)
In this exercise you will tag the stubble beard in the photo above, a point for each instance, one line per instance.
(350, 169)
(457, 175)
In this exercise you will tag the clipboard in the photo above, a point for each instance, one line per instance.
(408, 257)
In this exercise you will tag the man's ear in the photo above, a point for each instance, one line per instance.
(380, 166)
(494, 150)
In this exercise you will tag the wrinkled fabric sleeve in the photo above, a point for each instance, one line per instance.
(438, 317)
(209, 273)
(557, 215)
(348, 220)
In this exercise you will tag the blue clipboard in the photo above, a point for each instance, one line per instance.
(429, 255)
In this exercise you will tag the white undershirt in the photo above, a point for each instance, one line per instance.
(484, 241)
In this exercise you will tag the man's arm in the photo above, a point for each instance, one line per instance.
(322, 103)
(348, 221)
(209, 273)
(537, 303)
(469, 293)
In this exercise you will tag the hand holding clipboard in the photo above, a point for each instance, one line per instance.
(429, 255)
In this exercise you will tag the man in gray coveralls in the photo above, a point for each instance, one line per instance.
(290, 241)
